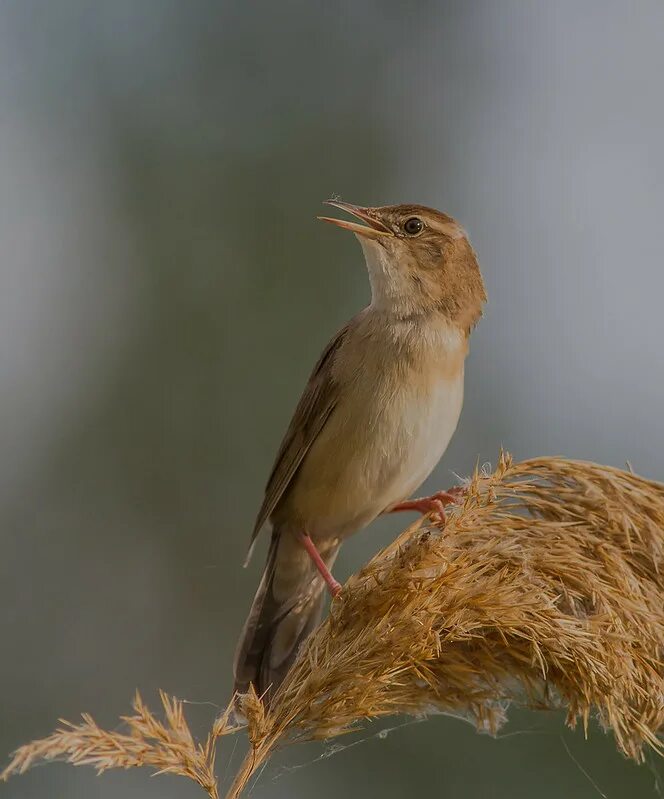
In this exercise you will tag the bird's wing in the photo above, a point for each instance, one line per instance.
(313, 410)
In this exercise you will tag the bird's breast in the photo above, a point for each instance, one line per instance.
(393, 421)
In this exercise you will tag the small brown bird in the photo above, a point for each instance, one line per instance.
(375, 417)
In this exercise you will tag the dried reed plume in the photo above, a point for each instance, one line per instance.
(167, 746)
(544, 588)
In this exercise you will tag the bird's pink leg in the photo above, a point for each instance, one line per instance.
(333, 586)
(434, 504)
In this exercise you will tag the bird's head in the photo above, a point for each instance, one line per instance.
(419, 261)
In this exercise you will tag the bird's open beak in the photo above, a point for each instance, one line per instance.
(374, 228)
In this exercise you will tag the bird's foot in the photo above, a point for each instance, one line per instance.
(455, 494)
(333, 586)
(433, 505)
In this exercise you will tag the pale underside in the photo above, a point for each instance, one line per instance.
(397, 395)
(377, 447)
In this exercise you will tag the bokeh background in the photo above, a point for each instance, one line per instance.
(165, 289)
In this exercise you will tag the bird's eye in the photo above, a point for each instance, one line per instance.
(413, 226)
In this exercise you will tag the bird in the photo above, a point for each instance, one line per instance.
(375, 417)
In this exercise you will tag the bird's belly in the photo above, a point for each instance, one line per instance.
(371, 455)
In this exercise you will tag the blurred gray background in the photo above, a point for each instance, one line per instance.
(165, 289)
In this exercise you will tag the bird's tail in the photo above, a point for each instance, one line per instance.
(286, 608)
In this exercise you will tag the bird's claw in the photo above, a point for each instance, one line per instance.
(433, 505)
